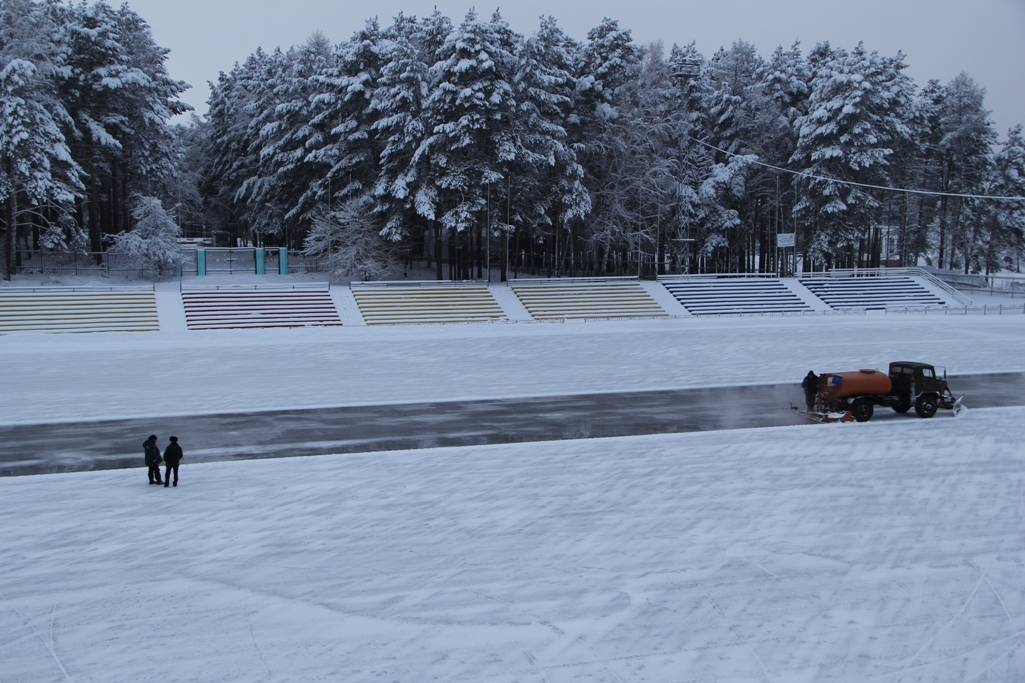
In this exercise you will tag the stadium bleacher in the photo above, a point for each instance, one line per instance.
(259, 306)
(412, 303)
(78, 309)
(734, 295)
(871, 292)
(580, 298)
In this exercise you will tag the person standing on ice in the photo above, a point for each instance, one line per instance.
(149, 447)
(810, 384)
(172, 456)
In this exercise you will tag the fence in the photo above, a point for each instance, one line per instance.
(218, 261)
(89, 263)
(1000, 285)
(994, 309)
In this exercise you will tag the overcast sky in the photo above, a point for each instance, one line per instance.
(985, 38)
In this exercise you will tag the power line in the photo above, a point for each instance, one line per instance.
(805, 174)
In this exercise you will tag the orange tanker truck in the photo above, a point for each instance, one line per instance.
(846, 396)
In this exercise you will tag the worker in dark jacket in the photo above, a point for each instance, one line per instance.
(810, 384)
(149, 447)
(172, 456)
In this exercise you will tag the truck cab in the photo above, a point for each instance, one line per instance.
(918, 385)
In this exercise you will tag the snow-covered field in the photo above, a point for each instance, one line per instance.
(60, 377)
(876, 552)
(889, 551)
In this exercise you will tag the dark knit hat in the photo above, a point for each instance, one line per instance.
(174, 439)
(153, 437)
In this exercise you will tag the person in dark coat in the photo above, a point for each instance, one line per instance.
(149, 447)
(172, 456)
(810, 384)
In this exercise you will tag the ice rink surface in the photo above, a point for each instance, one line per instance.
(885, 551)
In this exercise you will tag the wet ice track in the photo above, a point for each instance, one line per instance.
(49, 448)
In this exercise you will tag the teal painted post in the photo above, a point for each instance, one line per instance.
(178, 265)
(200, 261)
(283, 261)
(259, 261)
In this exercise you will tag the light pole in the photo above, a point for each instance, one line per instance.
(688, 241)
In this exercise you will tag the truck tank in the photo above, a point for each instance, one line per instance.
(860, 383)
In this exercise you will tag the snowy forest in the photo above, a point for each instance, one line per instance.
(465, 146)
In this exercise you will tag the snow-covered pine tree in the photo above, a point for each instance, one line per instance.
(284, 175)
(604, 65)
(734, 106)
(634, 206)
(398, 108)
(546, 179)
(240, 104)
(782, 96)
(349, 150)
(114, 86)
(857, 116)
(38, 178)
(470, 113)
(928, 133)
(734, 75)
(148, 162)
(1005, 238)
(406, 189)
(183, 190)
(965, 148)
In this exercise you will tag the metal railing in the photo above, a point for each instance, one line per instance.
(48, 289)
(411, 284)
(198, 286)
(572, 280)
(716, 276)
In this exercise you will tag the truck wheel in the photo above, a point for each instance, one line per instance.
(862, 410)
(926, 405)
(903, 405)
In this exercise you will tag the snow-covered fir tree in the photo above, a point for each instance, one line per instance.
(152, 243)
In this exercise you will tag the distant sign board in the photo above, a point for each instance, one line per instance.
(784, 240)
